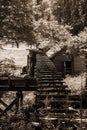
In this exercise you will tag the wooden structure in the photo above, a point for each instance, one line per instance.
(18, 85)
(54, 102)
(69, 64)
(54, 99)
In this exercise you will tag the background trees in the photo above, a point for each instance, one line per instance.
(25, 20)
(16, 20)
(72, 12)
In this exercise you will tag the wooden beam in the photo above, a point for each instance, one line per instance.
(31, 88)
(11, 105)
(3, 103)
(17, 84)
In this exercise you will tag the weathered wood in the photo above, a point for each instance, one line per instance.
(17, 84)
(50, 78)
(31, 88)
(3, 103)
(54, 90)
(11, 105)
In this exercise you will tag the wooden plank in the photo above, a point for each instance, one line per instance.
(31, 88)
(3, 103)
(11, 105)
(4, 81)
(74, 97)
(53, 86)
(49, 78)
(60, 111)
(52, 95)
(54, 90)
(59, 100)
(51, 82)
(65, 101)
(22, 82)
(17, 84)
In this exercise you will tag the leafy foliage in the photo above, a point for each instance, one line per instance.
(58, 21)
(16, 20)
(72, 12)
(44, 22)
(7, 67)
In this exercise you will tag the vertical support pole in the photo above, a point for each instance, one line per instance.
(81, 104)
(64, 65)
(28, 65)
(31, 62)
(73, 65)
(19, 101)
(86, 69)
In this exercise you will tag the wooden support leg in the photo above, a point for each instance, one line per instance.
(17, 101)
(21, 100)
(31, 69)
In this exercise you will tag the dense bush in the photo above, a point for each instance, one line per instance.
(7, 67)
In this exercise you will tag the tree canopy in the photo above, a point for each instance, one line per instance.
(71, 12)
(16, 20)
(43, 21)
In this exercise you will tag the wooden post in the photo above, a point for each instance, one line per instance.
(28, 65)
(28, 62)
(32, 62)
(86, 68)
(19, 101)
